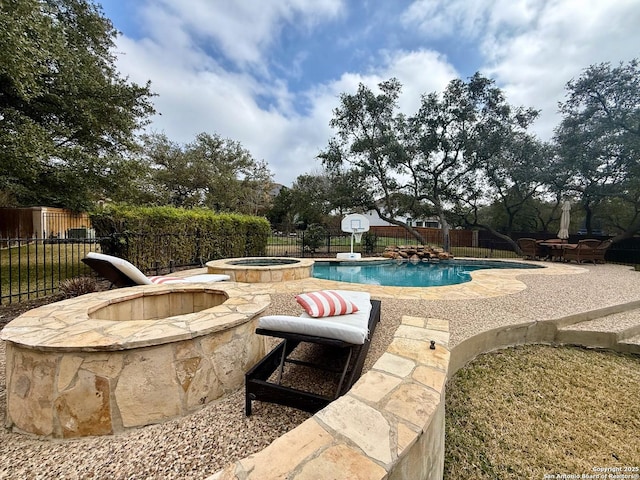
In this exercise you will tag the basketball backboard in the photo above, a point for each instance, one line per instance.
(355, 223)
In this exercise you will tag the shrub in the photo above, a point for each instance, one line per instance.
(313, 237)
(160, 236)
(369, 242)
(74, 287)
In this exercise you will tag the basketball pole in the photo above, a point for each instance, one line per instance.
(353, 236)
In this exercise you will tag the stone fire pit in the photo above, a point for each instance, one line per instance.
(105, 362)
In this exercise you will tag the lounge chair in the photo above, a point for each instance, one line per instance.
(589, 250)
(530, 248)
(348, 336)
(123, 274)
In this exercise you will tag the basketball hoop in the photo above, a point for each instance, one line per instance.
(355, 224)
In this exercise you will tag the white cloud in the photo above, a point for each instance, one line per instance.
(244, 31)
(420, 72)
(293, 146)
(456, 18)
(197, 95)
(196, 92)
(531, 48)
(534, 65)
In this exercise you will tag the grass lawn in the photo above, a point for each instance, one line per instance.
(35, 269)
(524, 412)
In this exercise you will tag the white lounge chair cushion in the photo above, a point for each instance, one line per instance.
(206, 278)
(326, 303)
(351, 328)
(140, 278)
(125, 267)
(203, 278)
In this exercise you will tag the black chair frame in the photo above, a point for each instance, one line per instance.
(257, 384)
(109, 272)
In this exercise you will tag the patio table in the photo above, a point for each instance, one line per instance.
(556, 250)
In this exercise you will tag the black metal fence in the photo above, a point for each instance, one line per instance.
(328, 243)
(34, 267)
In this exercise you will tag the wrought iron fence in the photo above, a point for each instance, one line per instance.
(34, 267)
(328, 243)
(31, 268)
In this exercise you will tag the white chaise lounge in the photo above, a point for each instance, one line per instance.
(122, 273)
(352, 332)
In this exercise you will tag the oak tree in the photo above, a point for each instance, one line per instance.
(67, 116)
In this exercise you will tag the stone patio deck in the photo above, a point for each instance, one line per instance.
(496, 309)
(498, 299)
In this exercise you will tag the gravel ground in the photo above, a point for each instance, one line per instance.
(612, 323)
(197, 446)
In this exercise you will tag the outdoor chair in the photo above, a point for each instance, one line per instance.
(121, 273)
(344, 340)
(530, 248)
(589, 250)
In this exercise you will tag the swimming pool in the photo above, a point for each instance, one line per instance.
(394, 273)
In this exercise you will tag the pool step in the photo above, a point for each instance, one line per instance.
(619, 331)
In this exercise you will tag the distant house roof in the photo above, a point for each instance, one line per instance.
(376, 221)
(275, 189)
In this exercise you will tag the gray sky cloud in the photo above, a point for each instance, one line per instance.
(270, 74)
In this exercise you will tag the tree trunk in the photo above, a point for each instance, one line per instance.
(630, 232)
(504, 237)
(446, 237)
(414, 233)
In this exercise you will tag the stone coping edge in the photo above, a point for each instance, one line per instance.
(544, 332)
(401, 403)
(67, 326)
(228, 263)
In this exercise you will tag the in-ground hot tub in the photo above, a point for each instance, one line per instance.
(106, 362)
(262, 269)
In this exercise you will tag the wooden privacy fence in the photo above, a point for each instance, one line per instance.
(44, 223)
(432, 236)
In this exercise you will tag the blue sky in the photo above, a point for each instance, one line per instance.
(268, 73)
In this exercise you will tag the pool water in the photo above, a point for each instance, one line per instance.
(393, 273)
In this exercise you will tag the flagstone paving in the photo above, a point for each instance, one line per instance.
(494, 299)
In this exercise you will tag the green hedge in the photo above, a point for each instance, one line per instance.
(159, 236)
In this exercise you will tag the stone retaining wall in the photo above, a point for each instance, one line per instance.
(78, 368)
(390, 425)
(542, 332)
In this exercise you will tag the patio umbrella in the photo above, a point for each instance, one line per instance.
(563, 233)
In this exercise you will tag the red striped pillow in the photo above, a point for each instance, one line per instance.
(325, 303)
(159, 280)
